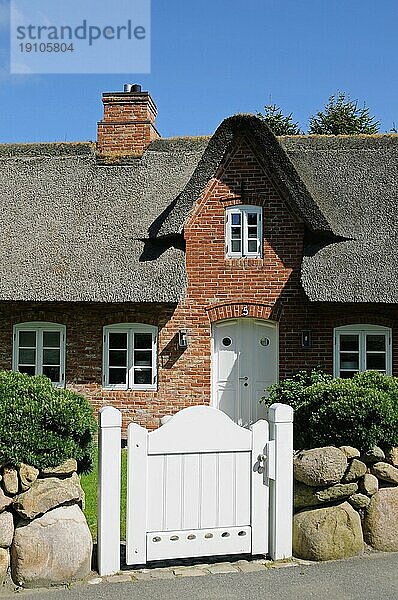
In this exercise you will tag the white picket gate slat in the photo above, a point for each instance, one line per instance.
(201, 485)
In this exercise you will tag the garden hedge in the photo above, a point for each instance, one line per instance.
(42, 425)
(362, 411)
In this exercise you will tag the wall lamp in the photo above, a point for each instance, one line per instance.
(306, 341)
(183, 338)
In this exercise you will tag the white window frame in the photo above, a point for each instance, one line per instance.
(243, 210)
(39, 327)
(130, 329)
(362, 331)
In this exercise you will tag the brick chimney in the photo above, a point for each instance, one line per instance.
(128, 126)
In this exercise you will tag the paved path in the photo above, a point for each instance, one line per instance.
(371, 577)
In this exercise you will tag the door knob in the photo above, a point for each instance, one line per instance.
(243, 378)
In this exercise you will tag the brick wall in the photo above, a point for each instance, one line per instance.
(218, 288)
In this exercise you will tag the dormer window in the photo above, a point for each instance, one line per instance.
(243, 231)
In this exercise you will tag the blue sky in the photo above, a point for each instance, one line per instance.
(214, 58)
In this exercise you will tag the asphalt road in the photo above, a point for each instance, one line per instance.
(373, 577)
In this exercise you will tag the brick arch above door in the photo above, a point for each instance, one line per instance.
(233, 310)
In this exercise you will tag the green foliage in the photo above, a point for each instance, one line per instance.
(279, 123)
(342, 115)
(42, 425)
(362, 411)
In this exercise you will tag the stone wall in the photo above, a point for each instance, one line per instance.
(44, 537)
(344, 500)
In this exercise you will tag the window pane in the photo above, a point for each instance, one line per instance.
(143, 358)
(27, 339)
(376, 343)
(27, 357)
(117, 340)
(376, 361)
(143, 340)
(236, 246)
(235, 219)
(235, 233)
(51, 357)
(143, 376)
(27, 370)
(347, 374)
(252, 245)
(117, 376)
(52, 373)
(349, 342)
(118, 358)
(252, 232)
(349, 361)
(252, 218)
(51, 339)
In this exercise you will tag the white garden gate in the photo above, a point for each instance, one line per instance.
(200, 485)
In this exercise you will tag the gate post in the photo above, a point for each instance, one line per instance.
(109, 462)
(280, 417)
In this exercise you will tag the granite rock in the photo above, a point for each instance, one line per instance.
(320, 466)
(46, 494)
(53, 549)
(327, 533)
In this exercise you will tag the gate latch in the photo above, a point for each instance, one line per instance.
(261, 459)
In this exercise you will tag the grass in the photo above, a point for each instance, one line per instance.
(89, 484)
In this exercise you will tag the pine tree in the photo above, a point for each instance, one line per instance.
(279, 123)
(342, 115)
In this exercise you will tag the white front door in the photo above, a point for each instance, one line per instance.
(244, 363)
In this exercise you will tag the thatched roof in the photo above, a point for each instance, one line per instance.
(354, 181)
(74, 230)
(76, 227)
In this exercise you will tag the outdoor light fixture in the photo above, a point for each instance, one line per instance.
(182, 339)
(306, 339)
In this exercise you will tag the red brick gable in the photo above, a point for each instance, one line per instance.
(213, 278)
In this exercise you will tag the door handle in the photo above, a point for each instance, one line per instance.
(243, 378)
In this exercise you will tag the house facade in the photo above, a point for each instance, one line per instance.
(154, 274)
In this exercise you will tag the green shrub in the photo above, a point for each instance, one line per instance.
(362, 411)
(42, 425)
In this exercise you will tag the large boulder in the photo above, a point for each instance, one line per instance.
(356, 469)
(385, 472)
(27, 476)
(305, 495)
(64, 470)
(10, 481)
(52, 550)
(327, 533)
(6, 529)
(369, 484)
(373, 455)
(46, 494)
(380, 524)
(350, 452)
(4, 501)
(4, 563)
(359, 501)
(320, 466)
